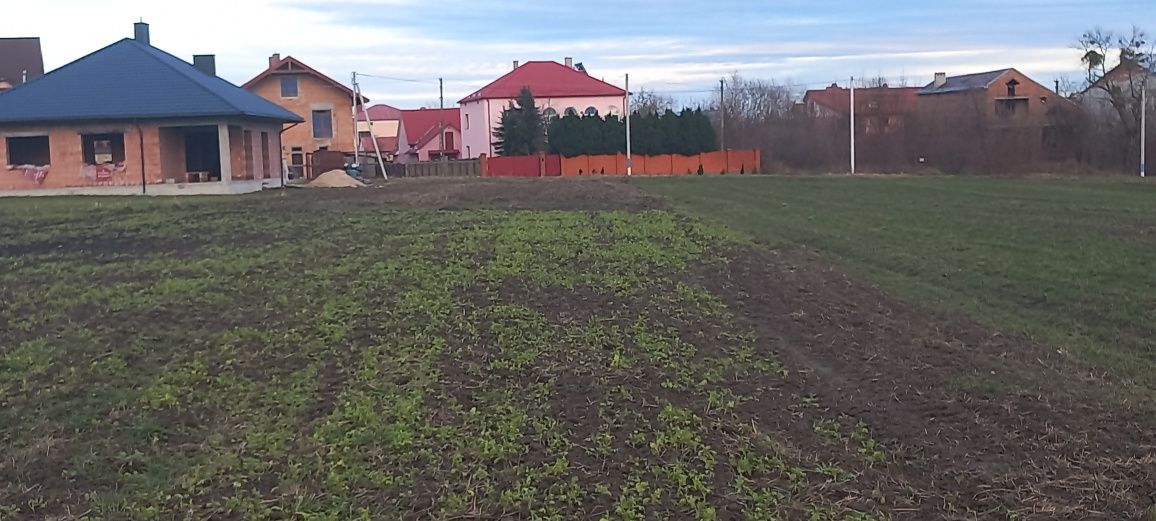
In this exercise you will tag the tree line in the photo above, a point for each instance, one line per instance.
(522, 130)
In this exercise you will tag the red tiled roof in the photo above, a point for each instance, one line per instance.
(381, 112)
(888, 99)
(422, 126)
(386, 144)
(546, 79)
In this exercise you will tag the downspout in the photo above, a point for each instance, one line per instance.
(281, 140)
(489, 130)
(143, 179)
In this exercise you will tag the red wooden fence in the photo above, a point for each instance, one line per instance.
(721, 162)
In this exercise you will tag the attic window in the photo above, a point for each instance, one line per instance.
(29, 151)
(289, 86)
(1011, 88)
(102, 149)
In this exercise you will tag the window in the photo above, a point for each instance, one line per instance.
(289, 86)
(467, 121)
(549, 113)
(571, 111)
(1009, 108)
(323, 124)
(29, 151)
(1011, 88)
(591, 112)
(102, 149)
(449, 141)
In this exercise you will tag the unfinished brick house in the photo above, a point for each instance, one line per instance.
(132, 119)
(992, 121)
(325, 104)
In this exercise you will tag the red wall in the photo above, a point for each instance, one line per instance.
(721, 162)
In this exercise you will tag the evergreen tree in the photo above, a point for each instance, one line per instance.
(520, 129)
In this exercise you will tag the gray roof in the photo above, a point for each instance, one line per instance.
(966, 82)
(131, 80)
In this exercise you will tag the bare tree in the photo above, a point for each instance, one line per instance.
(751, 101)
(1117, 84)
(649, 103)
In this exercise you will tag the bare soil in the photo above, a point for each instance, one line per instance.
(458, 193)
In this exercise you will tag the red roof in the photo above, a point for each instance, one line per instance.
(380, 112)
(386, 144)
(881, 99)
(546, 79)
(422, 126)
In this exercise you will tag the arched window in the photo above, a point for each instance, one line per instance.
(571, 111)
(549, 113)
(591, 112)
(612, 110)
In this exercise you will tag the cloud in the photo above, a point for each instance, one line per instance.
(673, 45)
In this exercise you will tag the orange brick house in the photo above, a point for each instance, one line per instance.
(1001, 119)
(325, 104)
(133, 119)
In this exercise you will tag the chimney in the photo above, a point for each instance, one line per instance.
(569, 62)
(516, 64)
(141, 33)
(940, 79)
(206, 63)
(274, 60)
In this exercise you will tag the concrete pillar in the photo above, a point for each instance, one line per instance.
(226, 153)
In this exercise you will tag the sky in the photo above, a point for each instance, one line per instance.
(674, 47)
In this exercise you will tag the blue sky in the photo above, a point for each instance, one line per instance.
(677, 47)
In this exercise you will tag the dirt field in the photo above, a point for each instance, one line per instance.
(563, 349)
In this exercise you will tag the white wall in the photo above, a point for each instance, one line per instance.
(476, 139)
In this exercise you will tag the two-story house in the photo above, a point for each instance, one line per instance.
(386, 122)
(1001, 119)
(558, 89)
(324, 103)
(429, 134)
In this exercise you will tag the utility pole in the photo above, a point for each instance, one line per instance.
(852, 125)
(722, 107)
(629, 159)
(442, 117)
(369, 124)
(1144, 128)
(356, 133)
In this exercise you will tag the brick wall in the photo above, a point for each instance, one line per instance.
(313, 94)
(163, 159)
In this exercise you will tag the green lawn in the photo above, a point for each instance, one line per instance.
(1071, 263)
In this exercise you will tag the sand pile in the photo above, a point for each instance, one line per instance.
(335, 179)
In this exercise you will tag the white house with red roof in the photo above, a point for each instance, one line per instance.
(428, 134)
(559, 89)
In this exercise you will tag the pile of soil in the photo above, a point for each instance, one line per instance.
(335, 179)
